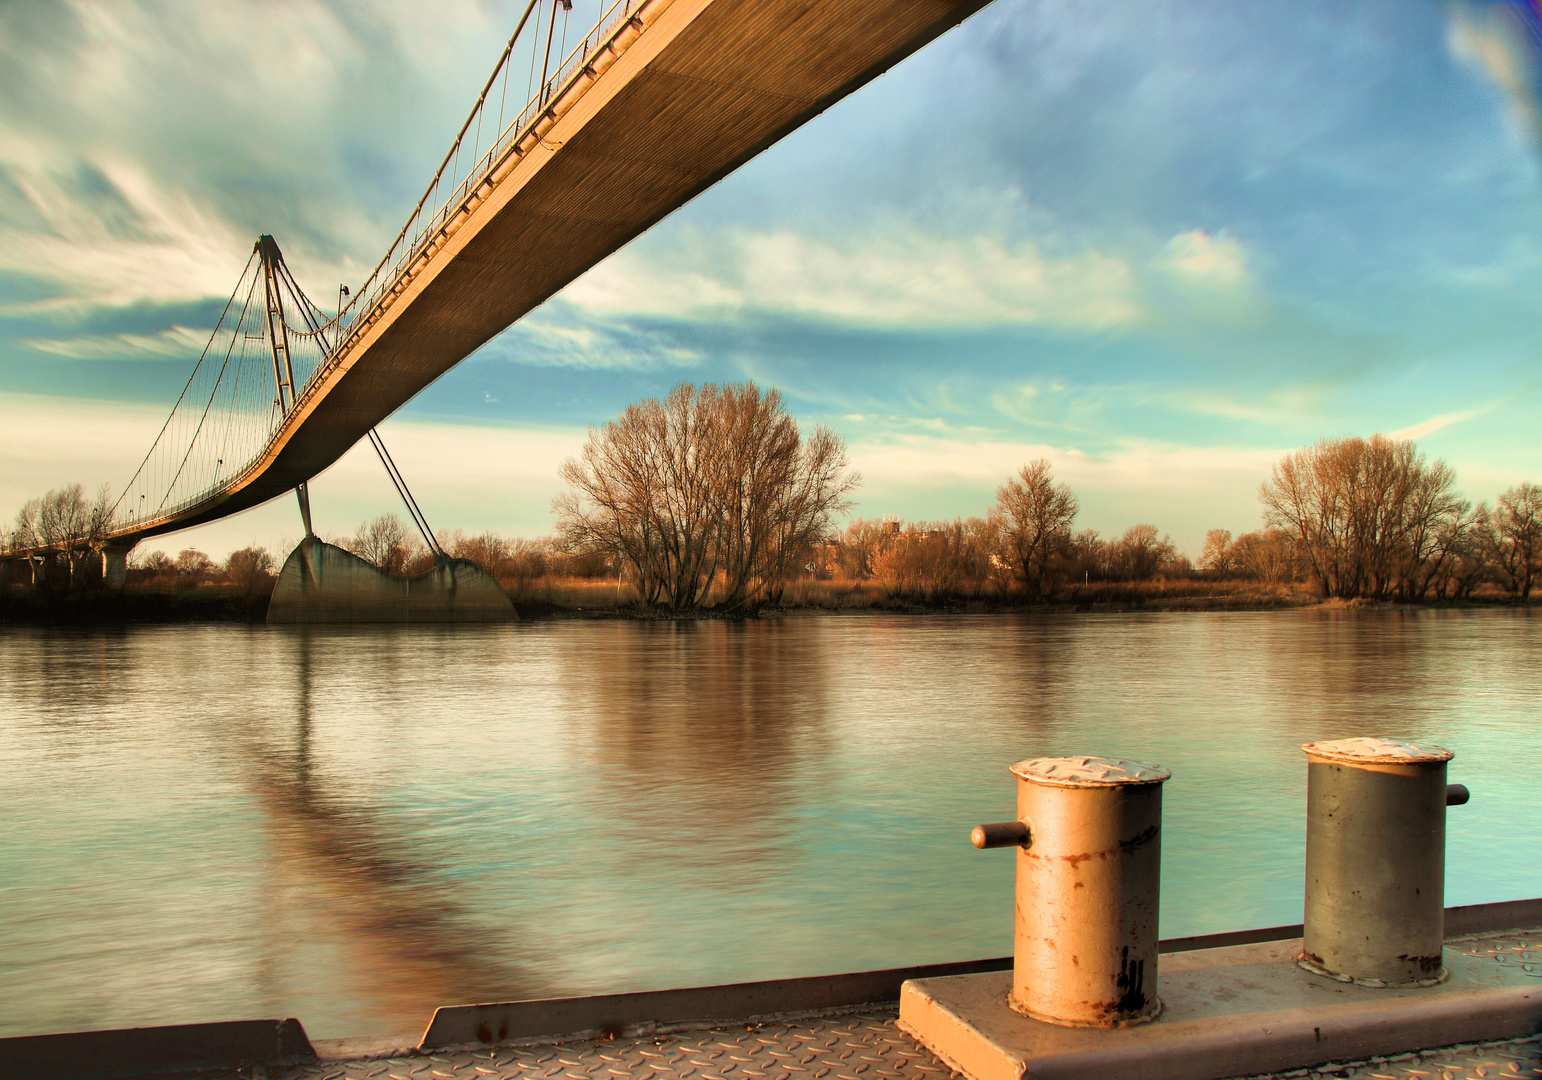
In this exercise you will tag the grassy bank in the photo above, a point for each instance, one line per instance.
(572, 597)
(552, 597)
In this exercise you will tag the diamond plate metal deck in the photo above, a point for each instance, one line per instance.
(866, 1045)
(856, 1046)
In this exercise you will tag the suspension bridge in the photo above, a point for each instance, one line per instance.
(588, 131)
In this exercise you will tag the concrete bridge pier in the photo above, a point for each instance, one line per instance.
(321, 583)
(115, 564)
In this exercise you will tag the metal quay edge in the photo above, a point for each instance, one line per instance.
(223, 1045)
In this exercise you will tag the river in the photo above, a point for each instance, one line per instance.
(353, 825)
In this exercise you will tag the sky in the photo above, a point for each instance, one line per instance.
(1159, 244)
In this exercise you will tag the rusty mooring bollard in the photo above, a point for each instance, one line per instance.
(1376, 861)
(1089, 866)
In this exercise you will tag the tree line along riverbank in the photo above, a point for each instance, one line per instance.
(713, 501)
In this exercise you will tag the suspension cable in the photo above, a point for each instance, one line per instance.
(416, 513)
(204, 415)
(172, 415)
(454, 148)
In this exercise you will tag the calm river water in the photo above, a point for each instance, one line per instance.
(354, 825)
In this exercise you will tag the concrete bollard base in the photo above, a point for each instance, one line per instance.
(1236, 1011)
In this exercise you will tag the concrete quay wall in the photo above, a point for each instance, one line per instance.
(458, 1038)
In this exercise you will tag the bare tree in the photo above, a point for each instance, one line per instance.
(528, 559)
(709, 485)
(1422, 527)
(980, 549)
(1513, 538)
(153, 564)
(1140, 553)
(63, 516)
(772, 520)
(1268, 555)
(642, 492)
(488, 550)
(1036, 515)
(1367, 514)
(248, 568)
(1218, 558)
(419, 559)
(24, 533)
(1307, 496)
(935, 560)
(1460, 562)
(1087, 556)
(65, 520)
(859, 546)
(193, 568)
(896, 565)
(383, 542)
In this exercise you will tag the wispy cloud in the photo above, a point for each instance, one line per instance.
(557, 335)
(1287, 405)
(176, 341)
(1494, 40)
(892, 274)
(1447, 419)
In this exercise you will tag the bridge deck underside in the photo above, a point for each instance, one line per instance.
(717, 81)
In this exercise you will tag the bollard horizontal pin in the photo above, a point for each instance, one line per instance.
(1457, 795)
(1001, 834)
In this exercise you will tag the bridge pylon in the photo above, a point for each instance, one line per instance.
(278, 338)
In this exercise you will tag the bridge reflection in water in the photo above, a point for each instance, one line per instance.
(408, 939)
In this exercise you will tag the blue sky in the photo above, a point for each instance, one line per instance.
(1160, 244)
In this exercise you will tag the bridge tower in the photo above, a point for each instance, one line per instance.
(278, 338)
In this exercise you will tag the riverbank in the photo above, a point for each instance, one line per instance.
(134, 606)
(139, 604)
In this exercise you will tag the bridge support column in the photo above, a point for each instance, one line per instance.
(7, 574)
(115, 565)
(304, 495)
